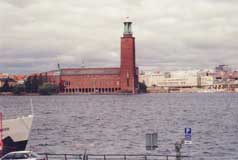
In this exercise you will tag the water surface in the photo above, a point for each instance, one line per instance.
(118, 123)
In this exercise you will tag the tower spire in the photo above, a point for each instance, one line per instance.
(127, 27)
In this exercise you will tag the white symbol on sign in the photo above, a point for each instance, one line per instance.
(188, 131)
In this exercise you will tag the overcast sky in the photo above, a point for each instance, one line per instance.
(170, 34)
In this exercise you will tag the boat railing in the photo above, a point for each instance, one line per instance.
(53, 156)
(49, 156)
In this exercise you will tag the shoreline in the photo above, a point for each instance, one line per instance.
(63, 94)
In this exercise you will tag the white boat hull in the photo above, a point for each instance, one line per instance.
(15, 133)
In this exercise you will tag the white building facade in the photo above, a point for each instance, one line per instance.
(170, 79)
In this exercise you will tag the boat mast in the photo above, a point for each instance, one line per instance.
(1, 130)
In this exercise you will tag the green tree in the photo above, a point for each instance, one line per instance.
(35, 84)
(48, 89)
(40, 80)
(18, 89)
(45, 77)
(28, 85)
(5, 87)
(142, 87)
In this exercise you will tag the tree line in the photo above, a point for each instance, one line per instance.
(33, 84)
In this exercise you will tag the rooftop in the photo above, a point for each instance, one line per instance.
(90, 71)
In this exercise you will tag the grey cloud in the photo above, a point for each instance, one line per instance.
(169, 34)
(21, 3)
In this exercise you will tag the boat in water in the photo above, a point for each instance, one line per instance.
(15, 133)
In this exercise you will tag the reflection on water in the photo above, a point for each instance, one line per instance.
(118, 123)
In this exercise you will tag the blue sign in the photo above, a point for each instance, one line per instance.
(188, 131)
(188, 134)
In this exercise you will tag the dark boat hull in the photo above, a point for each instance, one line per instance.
(9, 145)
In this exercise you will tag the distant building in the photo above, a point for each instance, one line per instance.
(223, 68)
(170, 79)
(11, 82)
(102, 80)
(4, 75)
(206, 81)
(234, 75)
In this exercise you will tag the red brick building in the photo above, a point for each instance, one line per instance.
(102, 80)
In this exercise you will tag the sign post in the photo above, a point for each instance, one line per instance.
(151, 141)
(188, 136)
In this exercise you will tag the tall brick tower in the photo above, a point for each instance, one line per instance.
(128, 67)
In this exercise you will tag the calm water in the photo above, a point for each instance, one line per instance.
(118, 123)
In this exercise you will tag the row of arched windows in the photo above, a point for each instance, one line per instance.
(91, 90)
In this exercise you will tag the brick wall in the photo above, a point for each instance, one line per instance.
(128, 70)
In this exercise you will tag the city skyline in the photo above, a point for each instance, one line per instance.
(36, 35)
